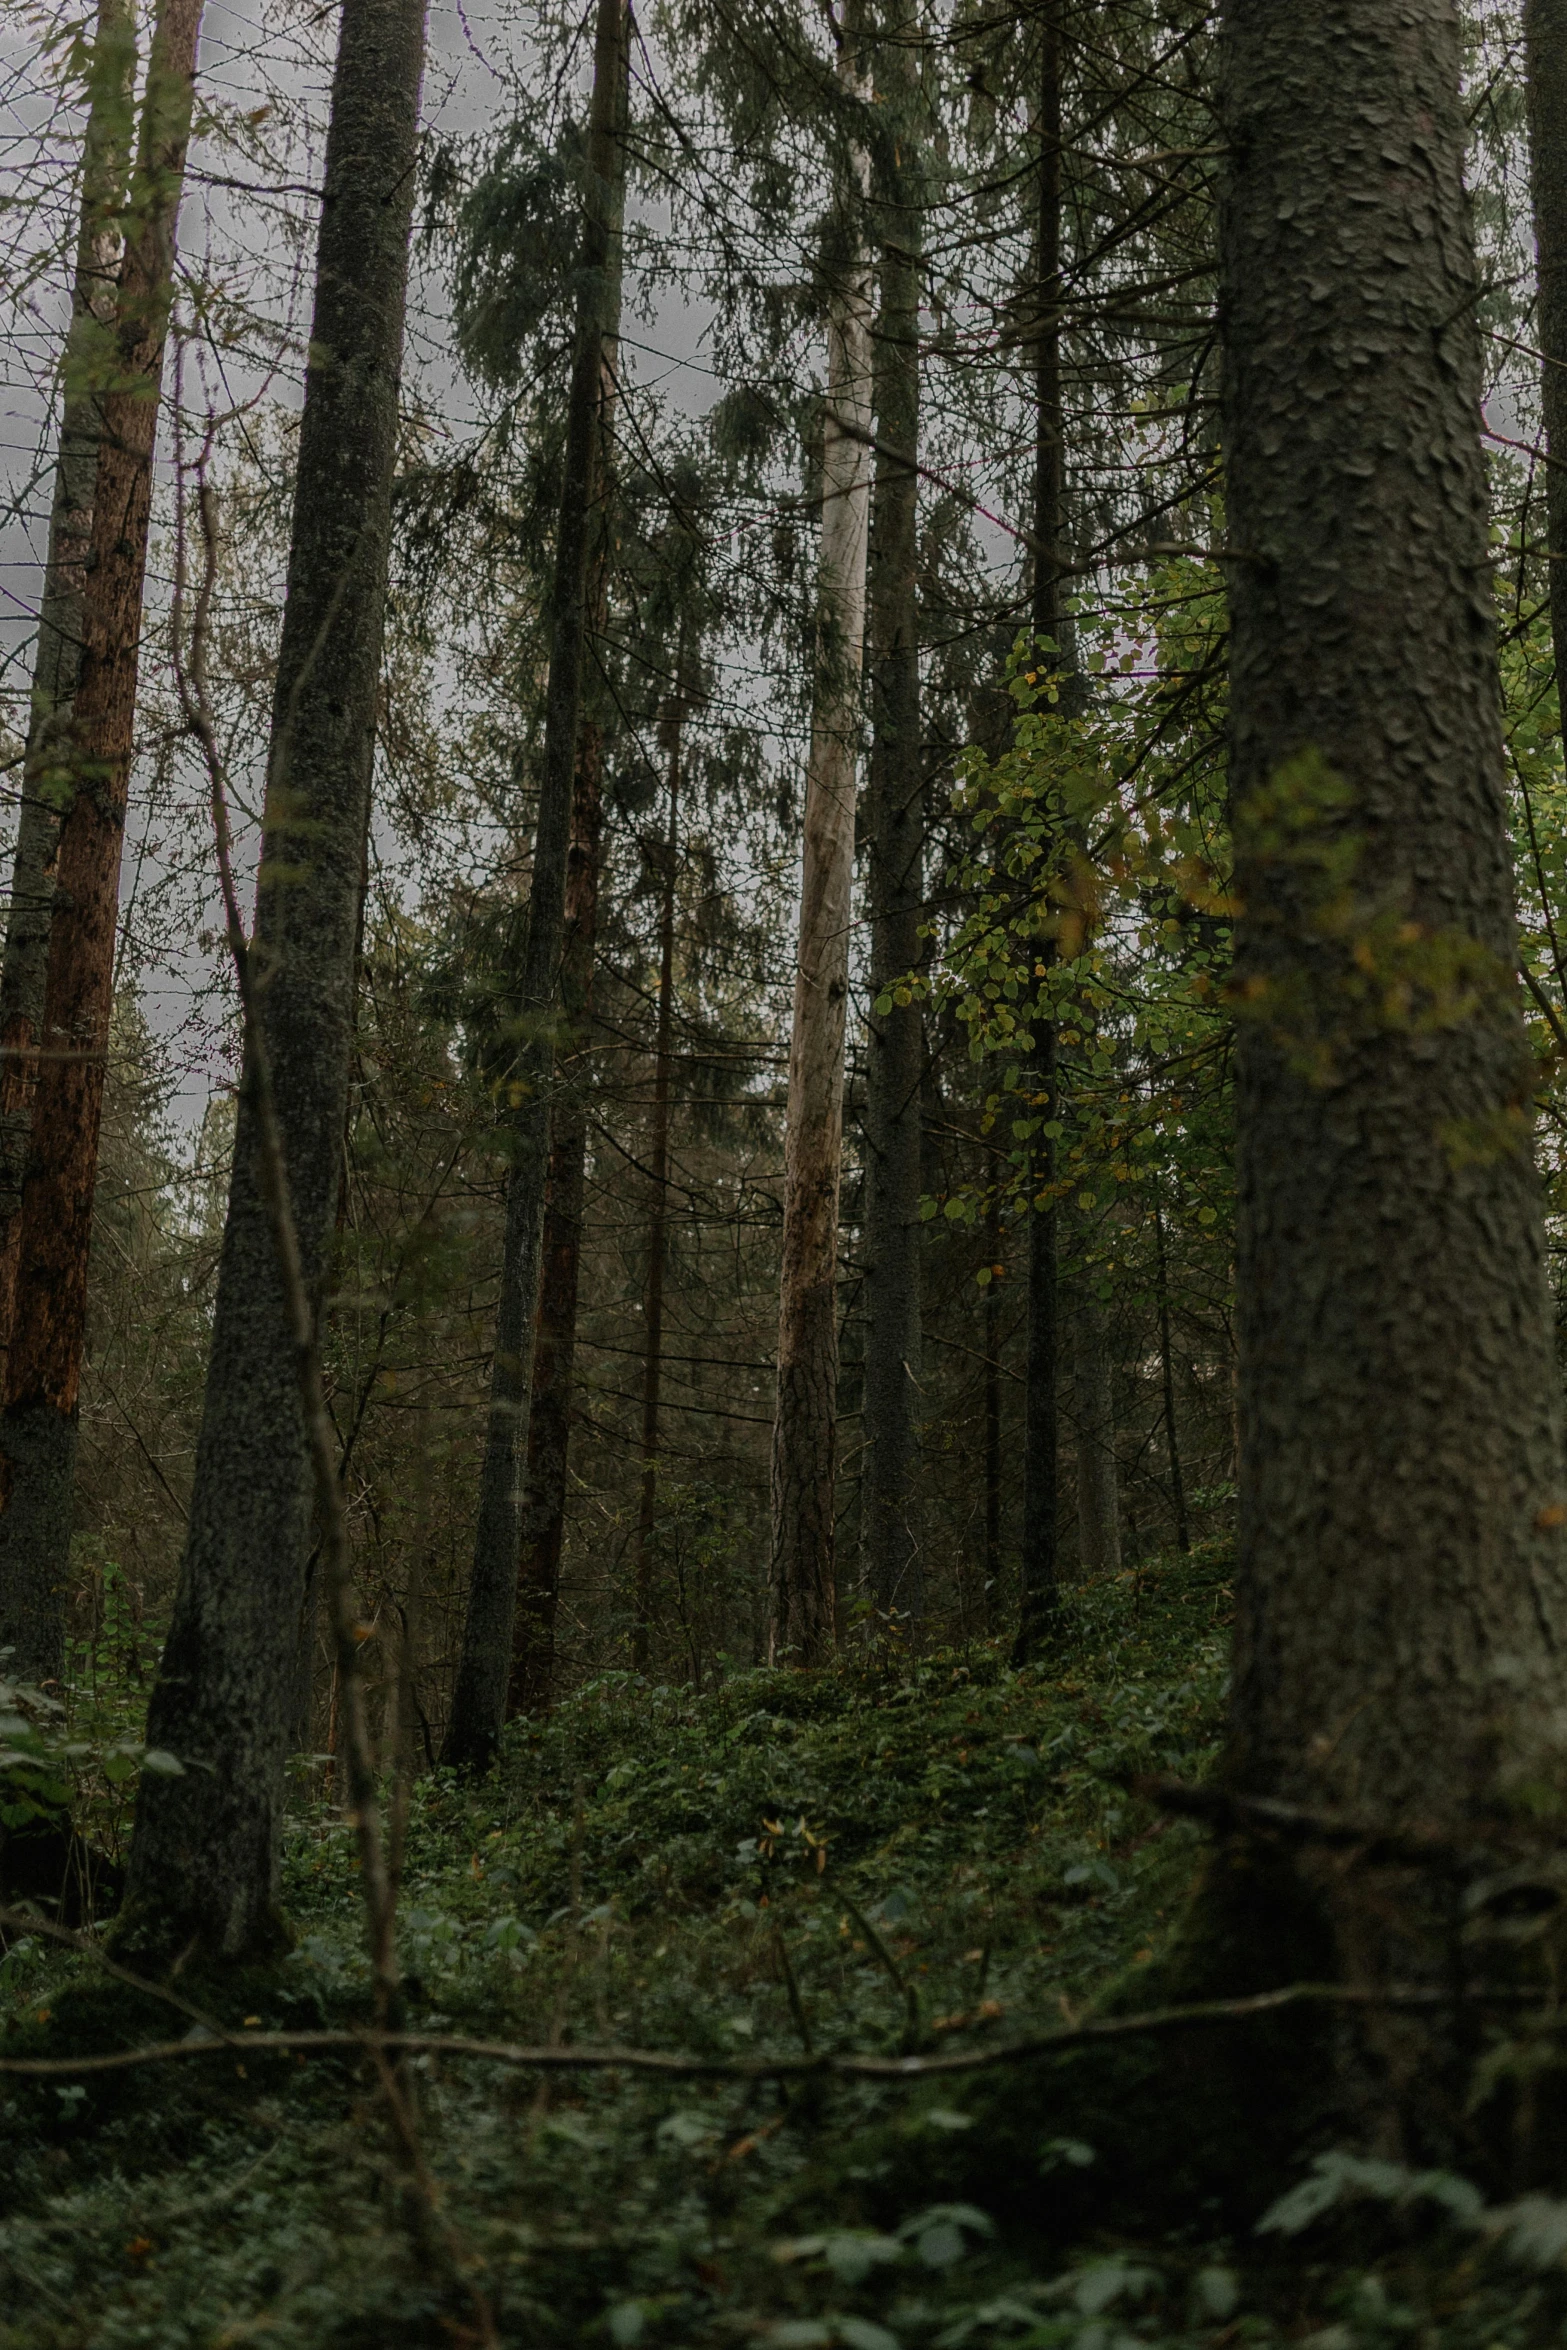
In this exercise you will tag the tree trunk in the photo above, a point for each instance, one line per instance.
(1038, 1581)
(658, 1222)
(992, 1390)
(1098, 1493)
(890, 1529)
(1401, 1600)
(1172, 1442)
(484, 1669)
(555, 1342)
(46, 771)
(802, 1602)
(205, 1854)
(1545, 57)
(49, 1297)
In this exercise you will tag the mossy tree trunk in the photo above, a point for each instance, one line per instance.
(48, 1297)
(204, 1857)
(1401, 1600)
(46, 782)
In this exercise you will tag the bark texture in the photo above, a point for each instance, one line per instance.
(38, 1407)
(484, 1668)
(894, 843)
(1401, 1600)
(1545, 60)
(554, 1346)
(1040, 1565)
(46, 772)
(1098, 1489)
(205, 1853)
(802, 1599)
(658, 1220)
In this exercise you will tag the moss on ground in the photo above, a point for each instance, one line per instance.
(945, 1852)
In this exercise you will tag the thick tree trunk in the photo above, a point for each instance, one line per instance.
(46, 771)
(484, 1669)
(1040, 1565)
(1098, 1490)
(1401, 1599)
(890, 1530)
(205, 1854)
(802, 1601)
(658, 1221)
(555, 1342)
(1545, 55)
(49, 1297)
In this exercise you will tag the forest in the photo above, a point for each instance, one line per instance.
(783, 1175)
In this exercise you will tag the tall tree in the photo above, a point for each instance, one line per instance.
(894, 843)
(106, 150)
(1401, 1597)
(1545, 69)
(555, 1341)
(1037, 1582)
(801, 1587)
(204, 1857)
(483, 1673)
(1098, 1494)
(38, 1401)
(658, 1168)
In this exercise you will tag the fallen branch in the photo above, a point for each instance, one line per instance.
(669, 2064)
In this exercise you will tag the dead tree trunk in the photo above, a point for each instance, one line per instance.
(802, 1602)
(1545, 56)
(46, 769)
(49, 1311)
(895, 841)
(484, 1669)
(555, 1343)
(205, 1854)
(1039, 1563)
(1401, 1598)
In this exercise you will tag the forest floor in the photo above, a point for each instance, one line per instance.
(935, 1857)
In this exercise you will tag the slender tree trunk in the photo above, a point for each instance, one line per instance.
(1401, 1598)
(44, 1359)
(1545, 55)
(484, 1669)
(1172, 1443)
(802, 1602)
(46, 770)
(205, 1853)
(658, 1221)
(555, 1343)
(992, 1416)
(1037, 1594)
(890, 1530)
(1098, 1493)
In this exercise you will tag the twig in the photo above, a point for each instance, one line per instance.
(674, 2066)
(906, 1991)
(796, 2003)
(1223, 1807)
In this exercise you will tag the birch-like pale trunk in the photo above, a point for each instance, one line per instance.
(802, 1608)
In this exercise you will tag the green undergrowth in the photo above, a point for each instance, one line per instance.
(934, 1855)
